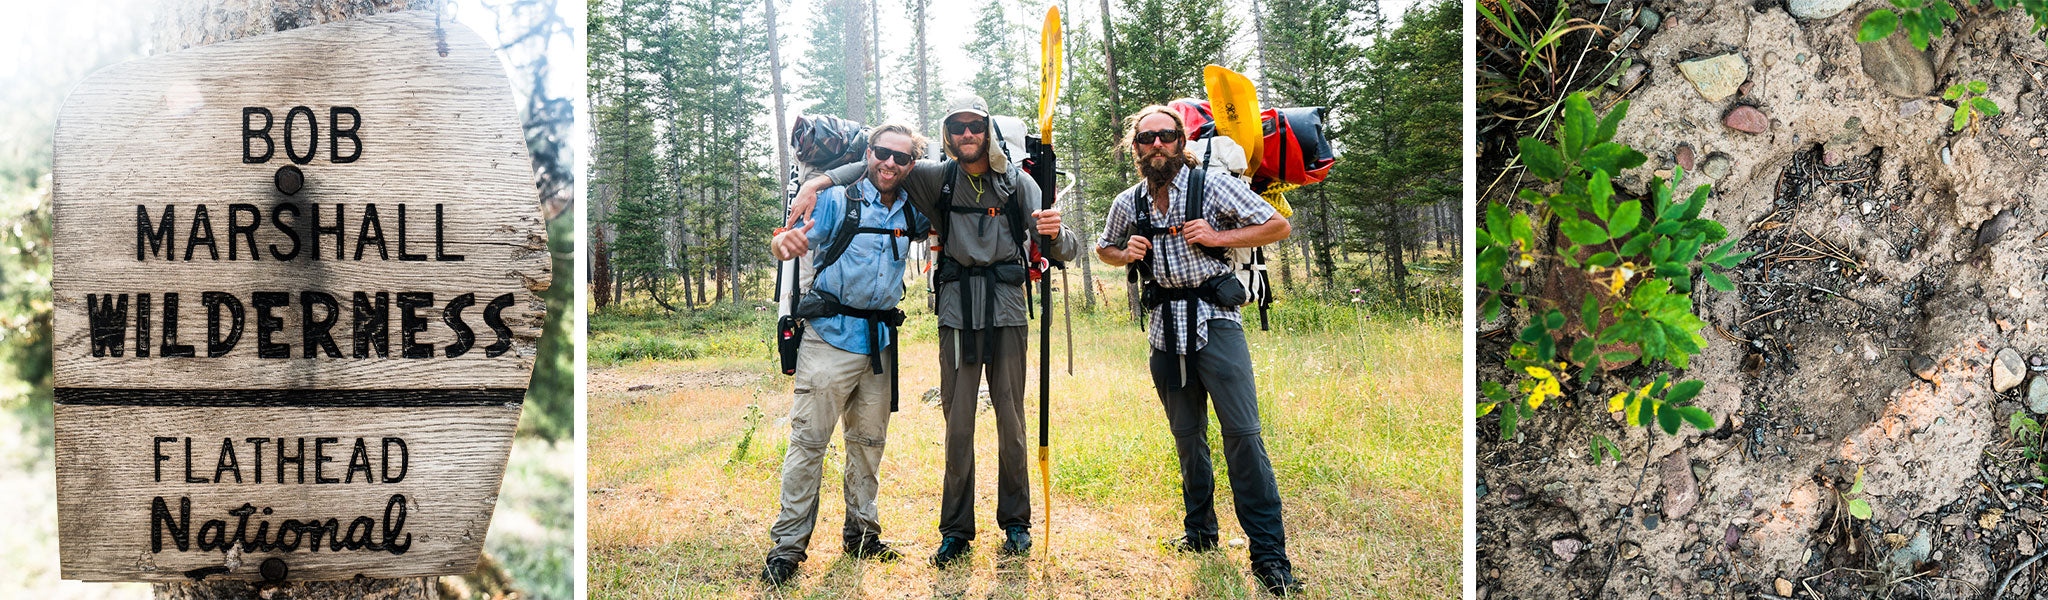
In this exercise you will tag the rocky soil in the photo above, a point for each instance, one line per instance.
(1894, 320)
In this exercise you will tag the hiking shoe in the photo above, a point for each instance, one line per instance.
(1277, 577)
(1017, 541)
(1191, 543)
(778, 572)
(951, 549)
(869, 546)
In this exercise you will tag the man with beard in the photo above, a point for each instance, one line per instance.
(852, 316)
(981, 199)
(1198, 345)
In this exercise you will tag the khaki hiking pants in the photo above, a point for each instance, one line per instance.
(832, 386)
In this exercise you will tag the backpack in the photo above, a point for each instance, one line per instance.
(825, 141)
(1225, 289)
(1294, 153)
(815, 303)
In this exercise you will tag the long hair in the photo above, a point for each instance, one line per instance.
(1131, 132)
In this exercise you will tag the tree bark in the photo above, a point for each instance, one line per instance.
(182, 24)
(855, 44)
(924, 69)
(775, 84)
(1116, 103)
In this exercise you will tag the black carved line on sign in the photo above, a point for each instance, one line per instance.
(289, 398)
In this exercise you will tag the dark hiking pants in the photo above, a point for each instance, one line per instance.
(1222, 372)
(959, 389)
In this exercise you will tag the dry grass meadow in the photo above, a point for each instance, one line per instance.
(1361, 415)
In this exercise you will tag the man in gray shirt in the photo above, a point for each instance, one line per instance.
(986, 210)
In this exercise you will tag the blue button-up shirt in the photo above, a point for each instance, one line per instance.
(868, 275)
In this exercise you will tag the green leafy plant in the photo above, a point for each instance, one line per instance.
(2026, 432)
(1970, 101)
(1538, 44)
(1858, 505)
(1601, 445)
(753, 420)
(1638, 257)
(1925, 20)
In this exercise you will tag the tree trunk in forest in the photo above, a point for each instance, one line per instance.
(1397, 269)
(855, 46)
(1436, 224)
(924, 69)
(875, 38)
(739, 168)
(200, 22)
(1325, 263)
(775, 85)
(1286, 265)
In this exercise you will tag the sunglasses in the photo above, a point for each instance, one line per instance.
(960, 127)
(1163, 136)
(887, 155)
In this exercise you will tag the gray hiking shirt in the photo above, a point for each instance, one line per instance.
(976, 239)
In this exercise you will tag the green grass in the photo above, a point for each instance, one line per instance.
(621, 336)
(1361, 419)
(533, 530)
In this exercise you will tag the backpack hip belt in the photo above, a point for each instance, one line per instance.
(820, 305)
(1222, 291)
(951, 271)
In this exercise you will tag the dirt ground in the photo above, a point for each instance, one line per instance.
(1881, 237)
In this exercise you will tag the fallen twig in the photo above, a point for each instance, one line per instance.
(2015, 571)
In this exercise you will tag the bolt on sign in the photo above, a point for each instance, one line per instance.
(295, 285)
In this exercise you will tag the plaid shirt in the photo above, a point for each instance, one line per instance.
(1229, 204)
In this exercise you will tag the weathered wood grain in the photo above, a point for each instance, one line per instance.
(106, 455)
(167, 131)
(437, 127)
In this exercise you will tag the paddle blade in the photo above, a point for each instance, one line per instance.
(1050, 43)
(1235, 104)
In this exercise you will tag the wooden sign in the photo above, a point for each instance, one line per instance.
(295, 309)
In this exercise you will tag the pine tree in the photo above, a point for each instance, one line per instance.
(1162, 46)
(1001, 78)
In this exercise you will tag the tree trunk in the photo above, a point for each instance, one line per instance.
(1116, 103)
(775, 84)
(739, 169)
(1397, 269)
(201, 22)
(874, 37)
(855, 45)
(1286, 265)
(924, 69)
(1325, 263)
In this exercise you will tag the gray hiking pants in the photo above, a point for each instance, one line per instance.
(832, 385)
(959, 391)
(1222, 372)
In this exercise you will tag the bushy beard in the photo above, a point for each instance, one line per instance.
(1161, 175)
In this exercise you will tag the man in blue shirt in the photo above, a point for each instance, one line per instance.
(852, 316)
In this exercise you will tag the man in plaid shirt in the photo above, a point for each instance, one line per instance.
(1198, 345)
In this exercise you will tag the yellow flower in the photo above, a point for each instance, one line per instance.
(1545, 387)
(1621, 277)
(1630, 404)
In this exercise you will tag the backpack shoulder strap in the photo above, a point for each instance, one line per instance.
(1014, 212)
(1197, 194)
(849, 225)
(942, 216)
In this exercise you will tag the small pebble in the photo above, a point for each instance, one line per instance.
(1748, 119)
